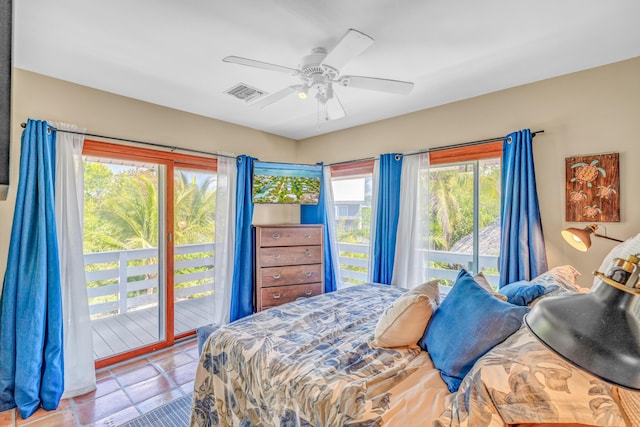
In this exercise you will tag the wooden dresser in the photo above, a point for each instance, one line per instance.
(289, 263)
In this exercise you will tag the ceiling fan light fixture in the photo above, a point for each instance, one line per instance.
(320, 69)
(303, 92)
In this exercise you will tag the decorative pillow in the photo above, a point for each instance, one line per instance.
(564, 276)
(482, 281)
(524, 292)
(468, 323)
(404, 321)
(430, 289)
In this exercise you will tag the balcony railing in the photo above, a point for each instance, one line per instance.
(122, 281)
(353, 255)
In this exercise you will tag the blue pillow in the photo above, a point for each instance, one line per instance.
(468, 323)
(523, 292)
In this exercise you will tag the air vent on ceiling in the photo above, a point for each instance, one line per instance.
(245, 92)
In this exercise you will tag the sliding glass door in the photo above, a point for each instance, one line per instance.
(194, 228)
(125, 258)
(149, 231)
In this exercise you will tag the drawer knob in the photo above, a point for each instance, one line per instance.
(276, 296)
(307, 236)
(276, 255)
(308, 273)
(276, 276)
(308, 292)
(307, 254)
(275, 236)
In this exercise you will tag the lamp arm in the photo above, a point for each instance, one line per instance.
(607, 237)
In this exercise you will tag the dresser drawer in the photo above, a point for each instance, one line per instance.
(289, 236)
(278, 276)
(283, 294)
(293, 255)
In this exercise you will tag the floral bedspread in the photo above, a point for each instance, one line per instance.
(307, 363)
(521, 381)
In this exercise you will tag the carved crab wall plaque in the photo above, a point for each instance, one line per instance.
(593, 188)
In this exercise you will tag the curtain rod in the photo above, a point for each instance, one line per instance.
(173, 148)
(443, 147)
(151, 144)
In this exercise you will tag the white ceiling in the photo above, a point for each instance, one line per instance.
(170, 52)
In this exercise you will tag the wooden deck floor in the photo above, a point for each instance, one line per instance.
(117, 334)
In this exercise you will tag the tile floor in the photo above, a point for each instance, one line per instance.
(123, 392)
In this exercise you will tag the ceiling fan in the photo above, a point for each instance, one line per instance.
(320, 70)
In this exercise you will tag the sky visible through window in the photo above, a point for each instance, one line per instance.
(348, 190)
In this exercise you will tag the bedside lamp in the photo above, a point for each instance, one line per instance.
(580, 238)
(598, 331)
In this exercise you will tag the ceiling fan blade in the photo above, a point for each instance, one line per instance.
(352, 44)
(373, 83)
(259, 64)
(277, 96)
(334, 109)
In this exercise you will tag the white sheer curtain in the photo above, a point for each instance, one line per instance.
(413, 223)
(331, 225)
(79, 370)
(225, 237)
(375, 180)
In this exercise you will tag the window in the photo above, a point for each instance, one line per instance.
(149, 227)
(352, 193)
(464, 187)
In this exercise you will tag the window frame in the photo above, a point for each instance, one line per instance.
(488, 150)
(352, 170)
(471, 154)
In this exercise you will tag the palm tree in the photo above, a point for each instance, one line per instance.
(195, 205)
(131, 210)
(127, 215)
(448, 190)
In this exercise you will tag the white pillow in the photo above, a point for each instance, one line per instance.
(404, 320)
(482, 281)
(630, 246)
(564, 276)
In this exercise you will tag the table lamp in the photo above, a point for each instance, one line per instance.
(580, 238)
(598, 331)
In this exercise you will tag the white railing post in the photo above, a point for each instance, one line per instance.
(455, 258)
(122, 282)
(117, 273)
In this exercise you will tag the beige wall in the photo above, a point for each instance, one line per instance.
(593, 111)
(40, 97)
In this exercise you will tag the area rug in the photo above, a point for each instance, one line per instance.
(173, 414)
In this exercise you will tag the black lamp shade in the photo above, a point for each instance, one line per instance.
(598, 331)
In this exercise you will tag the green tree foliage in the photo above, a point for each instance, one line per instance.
(121, 209)
(451, 204)
(121, 213)
(195, 207)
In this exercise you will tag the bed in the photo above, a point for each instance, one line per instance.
(312, 363)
